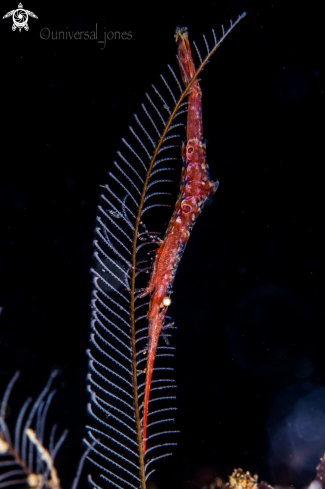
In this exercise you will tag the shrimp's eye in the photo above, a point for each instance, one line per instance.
(190, 150)
(166, 301)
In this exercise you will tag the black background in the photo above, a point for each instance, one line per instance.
(249, 293)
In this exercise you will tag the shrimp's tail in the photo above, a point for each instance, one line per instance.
(185, 60)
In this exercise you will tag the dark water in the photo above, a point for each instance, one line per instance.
(249, 294)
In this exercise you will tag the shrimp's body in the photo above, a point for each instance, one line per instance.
(195, 188)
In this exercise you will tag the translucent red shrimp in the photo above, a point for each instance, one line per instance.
(195, 188)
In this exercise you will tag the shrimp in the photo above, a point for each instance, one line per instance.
(195, 189)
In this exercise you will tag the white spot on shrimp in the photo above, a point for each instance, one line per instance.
(167, 301)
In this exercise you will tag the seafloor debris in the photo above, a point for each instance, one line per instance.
(240, 480)
(319, 482)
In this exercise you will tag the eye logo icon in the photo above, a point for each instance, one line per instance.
(20, 18)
